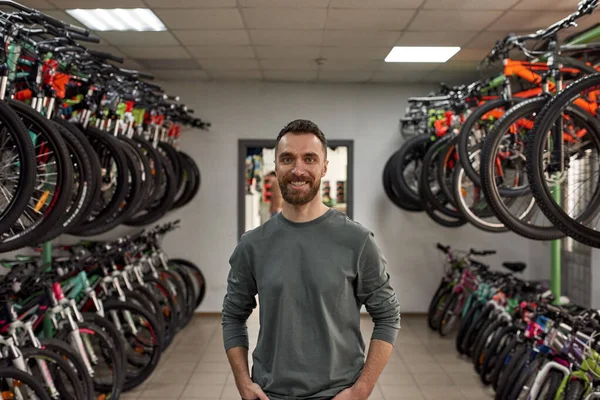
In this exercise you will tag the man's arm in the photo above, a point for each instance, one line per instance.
(237, 306)
(376, 293)
(377, 358)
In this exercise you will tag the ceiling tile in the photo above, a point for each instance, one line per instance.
(469, 4)
(66, 4)
(167, 63)
(174, 75)
(373, 4)
(285, 64)
(526, 20)
(398, 76)
(136, 52)
(470, 54)
(204, 19)
(351, 65)
(360, 38)
(448, 20)
(435, 38)
(229, 74)
(544, 5)
(345, 76)
(408, 68)
(287, 52)
(279, 18)
(213, 37)
(190, 3)
(140, 38)
(368, 19)
(290, 75)
(233, 64)
(221, 52)
(284, 3)
(355, 53)
(286, 37)
(37, 4)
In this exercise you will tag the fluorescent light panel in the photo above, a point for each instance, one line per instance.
(422, 54)
(118, 19)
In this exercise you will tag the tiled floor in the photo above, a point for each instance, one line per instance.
(423, 366)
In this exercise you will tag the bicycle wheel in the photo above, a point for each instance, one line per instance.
(503, 173)
(197, 273)
(18, 164)
(408, 166)
(193, 181)
(114, 180)
(575, 176)
(16, 384)
(53, 182)
(575, 390)
(143, 339)
(390, 185)
(62, 378)
(550, 386)
(84, 183)
(474, 131)
(450, 314)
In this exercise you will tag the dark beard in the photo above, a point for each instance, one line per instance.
(298, 199)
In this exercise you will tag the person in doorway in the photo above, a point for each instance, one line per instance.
(276, 204)
(312, 268)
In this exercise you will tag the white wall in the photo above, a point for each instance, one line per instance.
(368, 114)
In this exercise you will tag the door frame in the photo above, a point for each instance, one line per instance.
(244, 144)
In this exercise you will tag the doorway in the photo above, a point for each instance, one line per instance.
(256, 160)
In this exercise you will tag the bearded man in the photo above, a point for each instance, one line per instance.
(313, 269)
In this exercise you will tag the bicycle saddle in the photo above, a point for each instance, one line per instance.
(514, 266)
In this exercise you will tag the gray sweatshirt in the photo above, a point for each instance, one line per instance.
(311, 279)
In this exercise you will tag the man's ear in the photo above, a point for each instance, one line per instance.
(325, 168)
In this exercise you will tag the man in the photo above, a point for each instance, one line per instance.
(312, 268)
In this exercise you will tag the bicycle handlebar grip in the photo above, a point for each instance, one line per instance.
(189, 110)
(51, 20)
(83, 38)
(153, 86)
(145, 75)
(77, 29)
(172, 98)
(489, 252)
(442, 247)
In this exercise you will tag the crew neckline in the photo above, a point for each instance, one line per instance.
(306, 224)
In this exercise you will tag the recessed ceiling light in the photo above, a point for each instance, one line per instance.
(118, 19)
(424, 54)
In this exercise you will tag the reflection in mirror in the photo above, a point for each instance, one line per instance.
(262, 194)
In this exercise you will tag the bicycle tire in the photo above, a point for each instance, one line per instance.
(60, 347)
(110, 152)
(132, 379)
(486, 339)
(64, 180)
(197, 272)
(413, 149)
(531, 368)
(71, 374)
(513, 370)
(475, 328)
(83, 182)
(391, 190)
(550, 386)
(443, 328)
(465, 131)
(465, 325)
(575, 390)
(488, 184)
(30, 381)
(26, 166)
(196, 180)
(493, 351)
(545, 120)
(503, 360)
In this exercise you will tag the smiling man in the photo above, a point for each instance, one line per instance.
(312, 268)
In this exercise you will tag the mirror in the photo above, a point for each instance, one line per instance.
(259, 196)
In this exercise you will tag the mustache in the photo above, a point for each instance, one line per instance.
(296, 178)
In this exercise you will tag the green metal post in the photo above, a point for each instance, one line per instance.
(47, 253)
(555, 256)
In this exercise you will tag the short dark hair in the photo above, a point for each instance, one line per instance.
(303, 126)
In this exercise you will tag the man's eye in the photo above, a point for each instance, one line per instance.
(309, 159)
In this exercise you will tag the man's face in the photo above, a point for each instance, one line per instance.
(300, 165)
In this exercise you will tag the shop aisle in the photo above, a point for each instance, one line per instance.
(423, 367)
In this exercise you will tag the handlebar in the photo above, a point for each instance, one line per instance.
(106, 56)
(443, 248)
(482, 252)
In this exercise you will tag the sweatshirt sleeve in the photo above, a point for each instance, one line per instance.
(239, 301)
(376, 293)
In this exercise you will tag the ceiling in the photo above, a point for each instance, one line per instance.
(280, 40)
